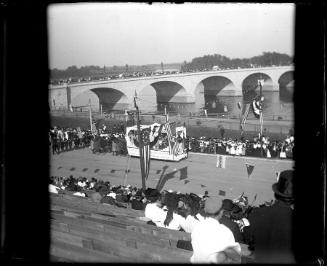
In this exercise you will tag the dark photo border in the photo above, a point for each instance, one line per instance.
(25, 122)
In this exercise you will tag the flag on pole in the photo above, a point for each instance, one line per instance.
(249, 168)
(145, 154)
(257, 107)
(146, 160)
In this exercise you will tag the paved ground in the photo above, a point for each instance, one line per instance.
(196, 174)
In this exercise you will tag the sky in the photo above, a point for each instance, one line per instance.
(138, 34)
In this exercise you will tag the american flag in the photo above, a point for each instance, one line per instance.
(257, 107)
(145, 152)
(146, 160)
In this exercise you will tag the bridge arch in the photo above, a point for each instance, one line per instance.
(209, 89)
(110, 99)
(286, 83)
(159, 94)
(250, 85)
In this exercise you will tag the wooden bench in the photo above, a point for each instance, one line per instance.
(87, 204)
(171, 236)
(131, 224)
(115, 240)
(116, 232)
(63, 252)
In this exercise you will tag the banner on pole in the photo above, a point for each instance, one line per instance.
(221, 161)
(249, 169)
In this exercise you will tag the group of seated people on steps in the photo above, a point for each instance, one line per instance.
(217, 226)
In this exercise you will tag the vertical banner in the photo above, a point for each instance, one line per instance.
(221, 161)
(277, 176)
(146, 160)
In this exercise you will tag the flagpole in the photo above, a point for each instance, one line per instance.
(261, 117)
(140, 143)
(90, 111)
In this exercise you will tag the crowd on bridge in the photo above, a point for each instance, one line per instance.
(135, 74)
(215, 224)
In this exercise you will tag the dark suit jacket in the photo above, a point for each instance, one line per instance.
(233, 227)
(271, 229)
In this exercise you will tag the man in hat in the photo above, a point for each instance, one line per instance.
(213, 242)
(270, 227)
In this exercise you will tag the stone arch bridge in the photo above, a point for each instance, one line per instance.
(190, 87)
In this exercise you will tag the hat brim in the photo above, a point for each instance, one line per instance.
(275, 189)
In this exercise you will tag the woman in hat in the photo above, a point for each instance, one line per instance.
(270, 230)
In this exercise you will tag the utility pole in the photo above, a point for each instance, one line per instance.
(140, 143)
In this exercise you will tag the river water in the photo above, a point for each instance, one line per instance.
(276, 106)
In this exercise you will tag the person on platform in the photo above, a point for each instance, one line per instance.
(212, 241)
(270, 230)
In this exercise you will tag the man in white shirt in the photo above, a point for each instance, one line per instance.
(213, 242)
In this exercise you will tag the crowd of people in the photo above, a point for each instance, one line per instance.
(63, 139)
(257, 147)
(216, 225)
(113, 140)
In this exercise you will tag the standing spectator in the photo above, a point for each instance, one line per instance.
(222, 132)
(114, 147)
(271, 227)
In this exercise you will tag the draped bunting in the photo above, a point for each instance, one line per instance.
(146, 135)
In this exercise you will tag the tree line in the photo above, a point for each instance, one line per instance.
(206, 62)
(223, 62)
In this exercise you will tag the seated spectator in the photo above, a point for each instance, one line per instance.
(98, 195)
(53, 188)
(227, 208)
(172, 220)
(80, 194)
(137, 199)
(153, 209)
(193, 215)
(213, 242)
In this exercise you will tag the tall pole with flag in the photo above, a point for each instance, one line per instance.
(140, 143)
(261, 117)
(261, 100)
(90, 112)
